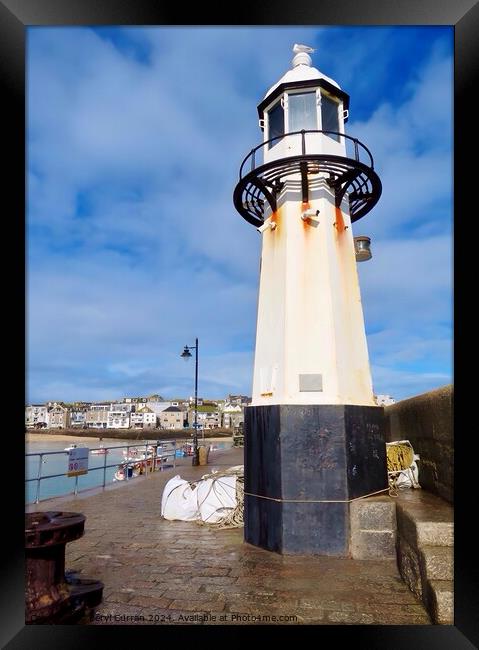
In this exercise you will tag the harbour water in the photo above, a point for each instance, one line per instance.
(100, 467)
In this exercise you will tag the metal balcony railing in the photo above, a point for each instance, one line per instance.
(348, 169)
(356, 148)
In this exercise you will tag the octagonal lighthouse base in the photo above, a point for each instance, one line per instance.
(303, 467)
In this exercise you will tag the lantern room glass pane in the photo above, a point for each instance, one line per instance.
(329, 115)
(275, 123)
(302, 112)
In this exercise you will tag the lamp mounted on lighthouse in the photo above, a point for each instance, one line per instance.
(313, 434)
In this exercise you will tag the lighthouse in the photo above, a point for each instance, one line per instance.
(314, 438)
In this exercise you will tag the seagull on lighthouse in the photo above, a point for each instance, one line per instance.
(301, 55)
(297, 47)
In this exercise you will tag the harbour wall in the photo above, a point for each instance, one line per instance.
(426, 421)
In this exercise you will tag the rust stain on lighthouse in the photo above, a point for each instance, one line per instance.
(339, 220)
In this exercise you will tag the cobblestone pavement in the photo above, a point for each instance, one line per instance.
(173, 572)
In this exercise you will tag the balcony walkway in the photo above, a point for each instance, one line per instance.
(160, 572)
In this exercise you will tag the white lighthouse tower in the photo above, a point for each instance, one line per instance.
(310, 341)
(303, 187)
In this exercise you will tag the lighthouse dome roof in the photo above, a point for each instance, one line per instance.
(300, 73)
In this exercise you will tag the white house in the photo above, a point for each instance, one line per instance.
(233, 415)
(36, 416)
(143, 418)
(384, 400)
(119, 416)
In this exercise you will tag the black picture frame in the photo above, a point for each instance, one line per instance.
(15, 16)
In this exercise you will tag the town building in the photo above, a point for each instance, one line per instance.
(238, 400)
(143, 418)
(58, 416)
(384, 400)
(171, 418)
(97, 416)
(157, 406)
(36, 416)
(233, 416)
(209, 416)
(134, 400)
(78, 413)
(138, 412)
(119, 416)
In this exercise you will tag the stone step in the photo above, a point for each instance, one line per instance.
(439, 601)
(438, 562)
(425, 526)
(424, 519)
(373, 528)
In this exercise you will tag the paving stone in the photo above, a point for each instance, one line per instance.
(214, 572)
(210, 580)
(117, 597)
(197, 606)
(149, 601)
(195, 596)
(351, 618)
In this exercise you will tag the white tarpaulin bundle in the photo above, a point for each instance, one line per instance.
(179, 500)
(216, 499)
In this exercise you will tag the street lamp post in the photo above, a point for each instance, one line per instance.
(186, 354)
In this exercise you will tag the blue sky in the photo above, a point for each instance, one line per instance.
(135, 137)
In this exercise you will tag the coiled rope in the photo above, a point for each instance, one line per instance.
(233, 517)
(400, 458)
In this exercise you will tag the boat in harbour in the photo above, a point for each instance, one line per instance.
(138, 465)
(126, 469)
(99, 451)
(74, 446)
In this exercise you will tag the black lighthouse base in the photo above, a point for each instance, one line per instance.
(303, 465)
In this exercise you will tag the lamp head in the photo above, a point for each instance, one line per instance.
(362, 248)
(186, 354)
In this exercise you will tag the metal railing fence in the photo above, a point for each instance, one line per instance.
(159, 452)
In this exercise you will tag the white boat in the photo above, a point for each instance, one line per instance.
(73, 446)
(101, 450)
(132, 470)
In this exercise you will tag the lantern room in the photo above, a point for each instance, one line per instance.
(304, 141)
(303, 100)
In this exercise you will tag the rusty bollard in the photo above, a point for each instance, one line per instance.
(51, 596)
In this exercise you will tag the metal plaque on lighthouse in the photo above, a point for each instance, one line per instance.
(314, 437)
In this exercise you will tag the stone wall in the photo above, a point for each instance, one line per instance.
(426, 421)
